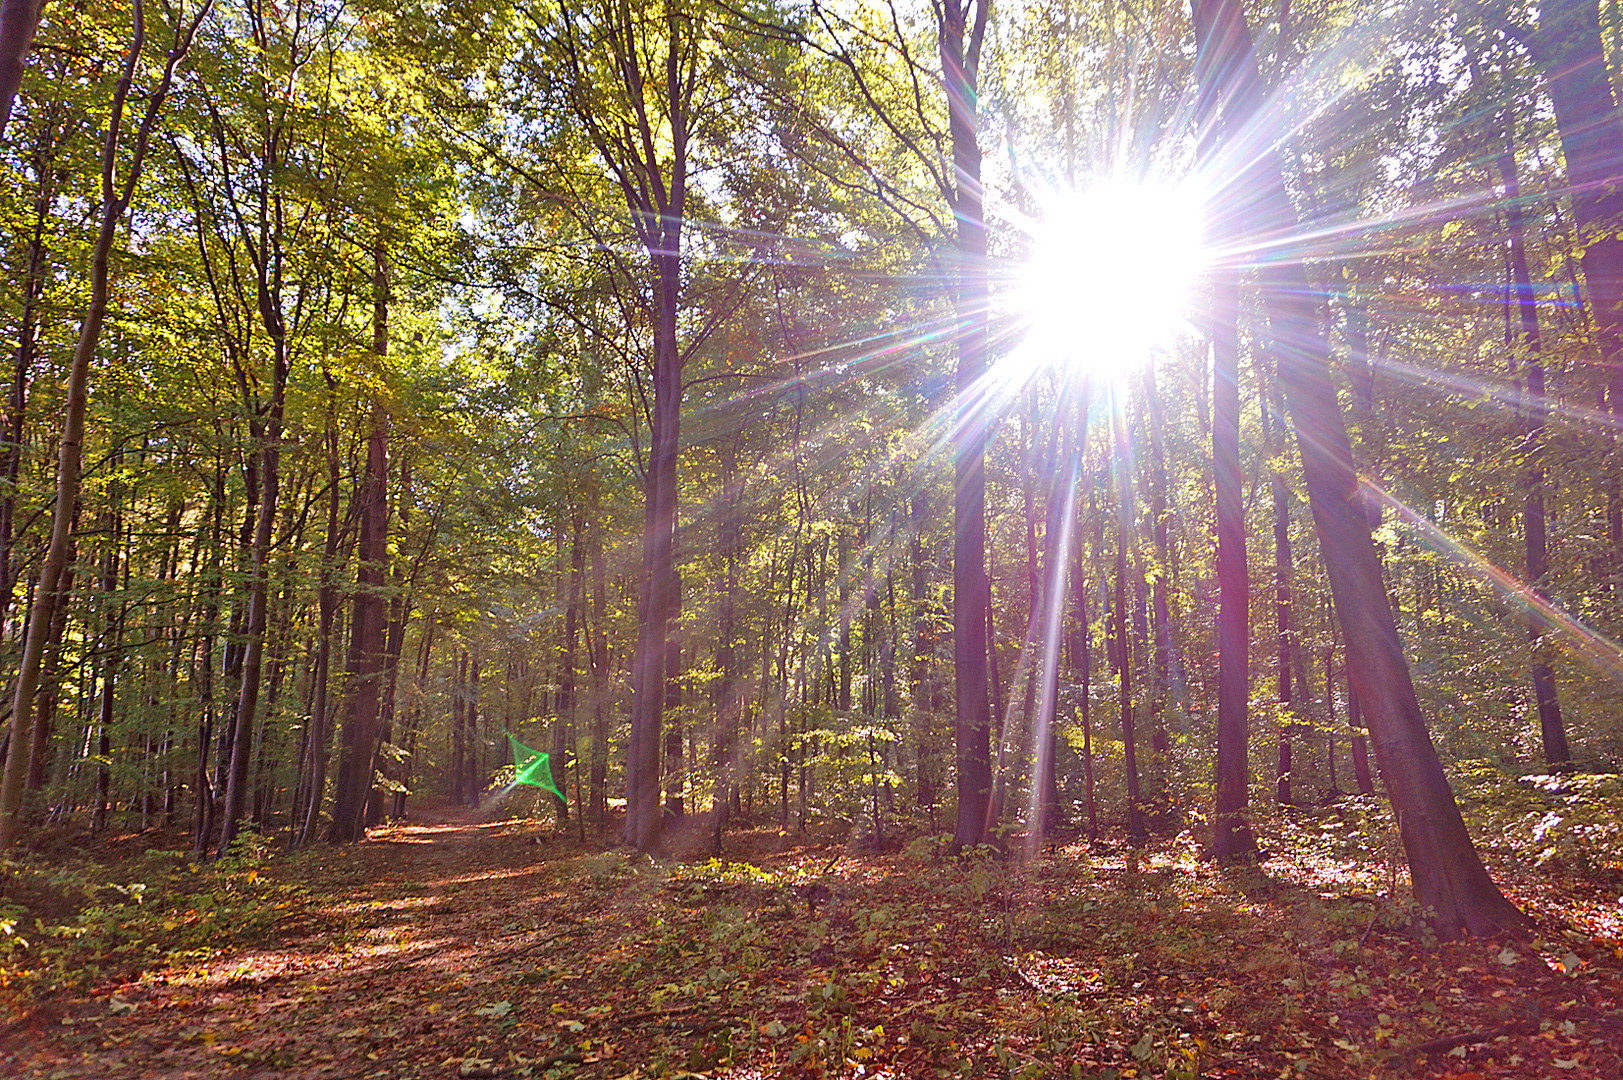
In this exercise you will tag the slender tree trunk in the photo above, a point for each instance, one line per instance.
(961, 29)
(1333, 785)
(327, 609)
(1232, 838)
(1082, 647)
(1136, 831)
(459, 708)
(205, 794)
(728, 702)
(1058, 536)
(1161, 614)
(567, 704)
(1282, 616)
(111, 646)
(473, 780)
(919, 670)
(1360, 742)
(115, 200)
(1551, 728)
(597, 637)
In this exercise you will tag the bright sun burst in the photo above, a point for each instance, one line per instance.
(1110, 275)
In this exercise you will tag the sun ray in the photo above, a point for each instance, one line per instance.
(1600, 651)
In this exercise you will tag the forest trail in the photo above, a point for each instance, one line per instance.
(462, 947)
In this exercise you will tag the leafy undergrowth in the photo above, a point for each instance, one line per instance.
(506, 949)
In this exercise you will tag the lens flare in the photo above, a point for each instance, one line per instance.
(1111, 275)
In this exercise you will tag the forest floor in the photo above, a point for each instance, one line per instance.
(462, 947)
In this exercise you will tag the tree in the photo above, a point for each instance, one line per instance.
(116, 193)
(1447, 874)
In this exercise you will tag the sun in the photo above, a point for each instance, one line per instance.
(1110, 276)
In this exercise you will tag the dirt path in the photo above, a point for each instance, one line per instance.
(399, 966)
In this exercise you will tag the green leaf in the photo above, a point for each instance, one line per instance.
(497, 1010)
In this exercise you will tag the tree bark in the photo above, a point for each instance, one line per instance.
(959, 43)
(1282, 620)
(1568, 46)
(368, 645)
(1232, 840)
(1536, 544)
(1136, 830)
(19, 21)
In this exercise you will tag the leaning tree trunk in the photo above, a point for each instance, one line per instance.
(1447, 874)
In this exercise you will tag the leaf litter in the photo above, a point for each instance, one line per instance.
(505, 949)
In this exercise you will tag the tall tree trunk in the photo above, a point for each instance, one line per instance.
(1446, 871)
(1282, 612)
(115, 199)
(918, 672)
(728, 701)
(598, 639)
(961, 29)
(1058, 536)
(1161, 614)
(1136, 831)
(473, 772)
(1232, 840)
(213, 581)
(326, 612)
(1082, 644)
(111, 647)
(459, 738)
(1360, 741)
(567, 703)
(1551, 728)
(1568, 46)
(368, 645)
